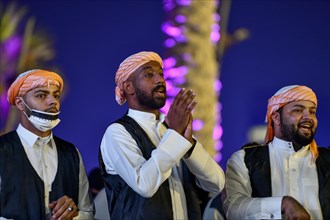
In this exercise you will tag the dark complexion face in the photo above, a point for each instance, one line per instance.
(149, 86)
(298, 122)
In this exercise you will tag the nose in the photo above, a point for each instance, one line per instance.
(306, 114)
(52, 100)
(160, 78)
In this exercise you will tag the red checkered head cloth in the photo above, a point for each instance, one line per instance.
(128, 67)
(284, 96)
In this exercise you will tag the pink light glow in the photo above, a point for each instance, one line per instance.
(197, 124)
(215, 27)
(215, 33)
(171, 90)
(215, 36)
(169, 62)
(175, 76)
(184, 2)
(176, 72)
(180, 80)
(171, 30)
(217, 86)
(168, 5)
(169, 42)
(217, 132)
(216, 17)
(218, 145)
(181, 38)
(5, 106)
(218, 157)
(180, 18)
(12, 46)
(166, 106)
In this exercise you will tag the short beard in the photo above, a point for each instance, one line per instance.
(291, 133)
(148, 100)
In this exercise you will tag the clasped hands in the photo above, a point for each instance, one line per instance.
(179, 116)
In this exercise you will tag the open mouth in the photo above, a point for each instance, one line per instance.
(306, 127)
(160, 90)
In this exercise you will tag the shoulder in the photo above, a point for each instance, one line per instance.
(255, 148)
(8, 139)
(8, 136)
(116, 129)
(324, 152)
(61, 141)
(65, 146)
(253, 145)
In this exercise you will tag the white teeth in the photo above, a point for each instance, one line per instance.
(306, 125)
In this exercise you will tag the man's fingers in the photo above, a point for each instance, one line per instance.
(192, 106)
(178, 96)
(185, 99)
(64, 208)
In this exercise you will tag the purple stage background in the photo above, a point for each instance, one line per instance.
(289, 44)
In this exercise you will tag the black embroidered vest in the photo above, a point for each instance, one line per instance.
(125, 203)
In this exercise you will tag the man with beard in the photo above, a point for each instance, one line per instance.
(41, 175)
(152, 166)
(289, 176)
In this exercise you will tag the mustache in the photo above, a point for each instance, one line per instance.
(159, 87)
(52, 110)
(307, 121)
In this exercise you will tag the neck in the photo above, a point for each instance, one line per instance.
(156, 112)
(296, 146)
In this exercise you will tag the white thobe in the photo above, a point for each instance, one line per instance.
(292, 173)
(122, 156)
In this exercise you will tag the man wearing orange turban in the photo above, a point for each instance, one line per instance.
(288, 176)
(41, 175)
(153, 169)
(128, 67)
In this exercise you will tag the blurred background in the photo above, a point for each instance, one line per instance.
(252, 48)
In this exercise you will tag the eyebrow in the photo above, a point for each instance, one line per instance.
(36, 90)
(146, 67)
(303, 106)
(150, 67)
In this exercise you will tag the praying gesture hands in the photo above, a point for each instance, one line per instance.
(179, 117)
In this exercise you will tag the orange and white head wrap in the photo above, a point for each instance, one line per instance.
(281, 98)
(128, 67)
(32, 79)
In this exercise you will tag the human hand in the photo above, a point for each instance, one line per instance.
(188, 131)
(292, 209)
(179, 113)
(63, 208)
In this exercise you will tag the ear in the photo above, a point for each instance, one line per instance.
(276, 117)
(19, 103)
(128, 87)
